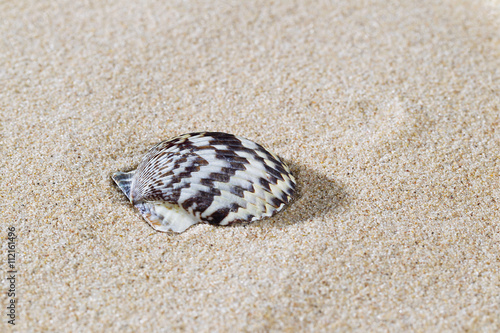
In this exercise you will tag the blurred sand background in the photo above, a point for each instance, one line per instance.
(388, 111)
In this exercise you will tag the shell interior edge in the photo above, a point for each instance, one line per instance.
(166, 217)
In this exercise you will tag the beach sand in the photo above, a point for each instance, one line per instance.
(387, 111)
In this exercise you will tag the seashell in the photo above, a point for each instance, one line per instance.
(209, 177)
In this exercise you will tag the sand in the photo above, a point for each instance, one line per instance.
(387, 111)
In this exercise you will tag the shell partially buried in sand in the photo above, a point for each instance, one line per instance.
(209, 177)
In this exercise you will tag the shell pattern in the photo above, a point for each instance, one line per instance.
(210, 177)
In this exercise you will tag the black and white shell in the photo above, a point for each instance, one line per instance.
(210, 177)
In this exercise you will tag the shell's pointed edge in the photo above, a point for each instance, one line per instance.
(124, 181)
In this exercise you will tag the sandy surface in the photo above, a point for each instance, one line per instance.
(389, 113)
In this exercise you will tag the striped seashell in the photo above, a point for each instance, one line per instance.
(210, 177)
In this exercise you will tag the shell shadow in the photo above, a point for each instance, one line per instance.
(316, 196)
